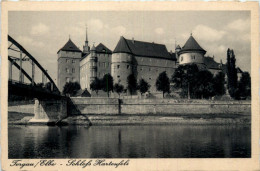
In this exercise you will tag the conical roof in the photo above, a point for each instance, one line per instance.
(70, 46)
(192, 45)
(178, 47)
(93, 48)
(122, 46)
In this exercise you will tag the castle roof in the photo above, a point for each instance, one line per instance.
(103, 49)
(93, 48)
(70, 46)
(192, 45)
(173, 56)
(178, 47)
(211, 63)
(139, 48)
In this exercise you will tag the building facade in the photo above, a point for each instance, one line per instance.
(68, 64)
(146, 60)
(143, 59)
(94, 65)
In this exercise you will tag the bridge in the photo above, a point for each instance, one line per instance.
(27, 78)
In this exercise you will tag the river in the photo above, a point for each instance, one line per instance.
(171, 141)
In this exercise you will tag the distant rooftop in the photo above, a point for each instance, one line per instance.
(70, 46)
(140, 48)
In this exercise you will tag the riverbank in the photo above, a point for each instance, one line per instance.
(15, 118)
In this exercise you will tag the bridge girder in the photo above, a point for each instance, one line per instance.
(27, 54)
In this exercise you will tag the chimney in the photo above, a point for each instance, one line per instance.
(133, 40)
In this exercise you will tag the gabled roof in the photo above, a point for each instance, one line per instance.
(173, 56)
(192, 45)
(103, 49)
(70, 46)
(139, 48)
(211, 63)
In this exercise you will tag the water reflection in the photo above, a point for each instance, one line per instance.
(129, 141)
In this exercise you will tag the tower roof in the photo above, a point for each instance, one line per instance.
(192, 45)
(93, 48)
(103, 49)
(178, 47)
(122, 46)
(70, 46)
(140, 48)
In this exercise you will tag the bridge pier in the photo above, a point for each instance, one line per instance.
(49, 111)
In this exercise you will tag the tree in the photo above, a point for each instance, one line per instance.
(219, 84)
(143, 86)
(232, 74)
(108, 83)
(163, 83)
(118, 88)
(96, 85)
(131, 84)
(203, 87)
(244, 85)
(184, 77)
(71, 88)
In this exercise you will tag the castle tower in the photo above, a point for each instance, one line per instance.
(121, 63)
(68, 64)
(86, 48)
(93, 64)
(177, 50)
(192, 53)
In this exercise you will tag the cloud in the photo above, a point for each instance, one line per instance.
(159, 31)
(239, 25)
(39, 29)
(28, 42)
(208, 34)
(95, 24)
(119, 30)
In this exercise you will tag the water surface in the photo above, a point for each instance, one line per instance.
(129, 141)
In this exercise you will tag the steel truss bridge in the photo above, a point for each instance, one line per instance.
(18, 56)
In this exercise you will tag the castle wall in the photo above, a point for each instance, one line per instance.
(121, 67)
(103, 67)
(84, 73)
(68, 68)
(150, 68)
(103, 64)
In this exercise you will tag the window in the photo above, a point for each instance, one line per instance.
(73, 61)
(67, 60)
(127, 66)
(118, 66)
(67, 79)
(118, 76)
(73, 70)
(67, 70)
(73, 79)
(141, 69)
(181, 58)
(149, 69)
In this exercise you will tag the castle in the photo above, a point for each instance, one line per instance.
(146, 60)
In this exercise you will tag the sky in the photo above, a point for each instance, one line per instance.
(42, 34)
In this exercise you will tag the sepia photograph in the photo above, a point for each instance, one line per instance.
(128, 84)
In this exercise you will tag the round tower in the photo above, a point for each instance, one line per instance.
(192, 53)
(177, 50)
(93, 64)
(121, 63)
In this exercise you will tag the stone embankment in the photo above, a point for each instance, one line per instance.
(112, 111)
